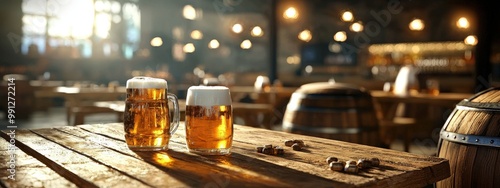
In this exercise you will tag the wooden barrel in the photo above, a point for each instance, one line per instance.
(332, 110)
(470, 140)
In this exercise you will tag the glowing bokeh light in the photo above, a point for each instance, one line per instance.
(196, 34)
(213, 44)
(257, 31)
(189, 12)
(291, 13)
(189, 48)
(237, 28)
(463, 23)
(246, 44)
(293, 60)
(340, 36)
(470, 40)
(417, 25)
(305, 35)
(156, 42)
(347, 16)
(356, 27)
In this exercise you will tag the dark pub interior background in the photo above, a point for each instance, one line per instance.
(413, 60)
(295, 42)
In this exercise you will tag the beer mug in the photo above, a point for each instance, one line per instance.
(209, 120)
(147, 120)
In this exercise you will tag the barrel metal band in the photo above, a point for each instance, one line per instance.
(471, 139)
(328, 130)
(478, 106)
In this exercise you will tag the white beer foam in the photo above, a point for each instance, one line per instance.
(208, 96)
(146, 82)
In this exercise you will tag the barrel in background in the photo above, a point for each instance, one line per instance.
(333, 110)
(470, 140)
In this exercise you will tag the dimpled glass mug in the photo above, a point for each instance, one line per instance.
(147, 115)
(209, 120)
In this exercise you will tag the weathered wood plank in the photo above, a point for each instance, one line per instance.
(126, 164)
(75, 167)
(186, 168)
(113, 130)
(255, 165)
(396, 167)
(96, 155)
(393, 163)
(28, 171)
(228, 171)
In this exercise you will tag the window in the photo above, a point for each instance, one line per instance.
(81, 28)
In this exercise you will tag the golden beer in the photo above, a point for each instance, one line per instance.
(209, 120)
(147, 119)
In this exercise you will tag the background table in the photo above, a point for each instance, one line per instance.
(97, 156)
(413, 116)
(443, 99)
(79, 101)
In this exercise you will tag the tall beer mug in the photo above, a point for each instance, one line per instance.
(147, 115)
(209, 120)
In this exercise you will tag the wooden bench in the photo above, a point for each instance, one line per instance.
(78, 114)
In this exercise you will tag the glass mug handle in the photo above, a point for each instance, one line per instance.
(175, 121)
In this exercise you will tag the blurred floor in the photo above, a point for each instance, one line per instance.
(56, 117)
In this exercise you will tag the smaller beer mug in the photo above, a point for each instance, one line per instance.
(209, 120)
(147, 120)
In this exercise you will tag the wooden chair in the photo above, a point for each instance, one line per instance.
(393, 121)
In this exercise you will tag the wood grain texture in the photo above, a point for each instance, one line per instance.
(472, 165)
(75, 167)
(96, 155)
(29, 172)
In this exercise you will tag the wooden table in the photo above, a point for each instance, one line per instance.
(97, 156)
(83, 93)
(41, 86)
(79, 100)
(423, 104)
(415, 115)
(443, 99)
